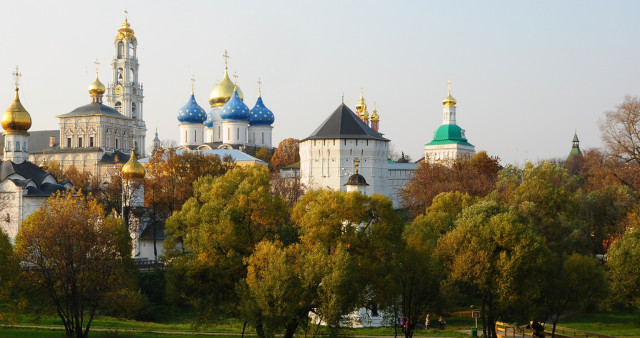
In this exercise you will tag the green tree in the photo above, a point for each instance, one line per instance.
(76, 254)
(497, 254)
(214, 233)
(9, 268)
(442, 213)
(623, 266)
(576, 285)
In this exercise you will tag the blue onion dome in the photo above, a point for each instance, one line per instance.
(261, 115)
(191, 112)
(209, 121)
(235, 109)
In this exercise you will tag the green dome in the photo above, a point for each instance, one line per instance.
(447, 134)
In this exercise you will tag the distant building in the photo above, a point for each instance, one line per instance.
(575, 147)
(449, 141)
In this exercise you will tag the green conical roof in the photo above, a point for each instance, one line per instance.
(575, 148)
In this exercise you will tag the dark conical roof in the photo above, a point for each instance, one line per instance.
(356, 179)
(344, 124)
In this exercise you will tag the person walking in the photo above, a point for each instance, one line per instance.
(426, 322)
(442, 322)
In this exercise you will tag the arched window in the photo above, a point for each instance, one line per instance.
(8, 147)
(17, 146)
(133, 75)
(119, 106)
(120, 50)
(120, 76)
(133, 110)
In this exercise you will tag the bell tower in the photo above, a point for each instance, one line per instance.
(124, 92)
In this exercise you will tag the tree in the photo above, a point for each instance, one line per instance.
(291, 189)
(217, 229)
(264, 154)
(9, 267)
(576, 285)
(621, 135)
(497, 255)
(76, 254)
(288, 153)
(476, 177)
(623, 266)
(440, 216)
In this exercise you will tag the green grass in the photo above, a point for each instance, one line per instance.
(613, 323)
(44, 333)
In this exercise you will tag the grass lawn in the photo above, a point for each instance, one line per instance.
(613, 324)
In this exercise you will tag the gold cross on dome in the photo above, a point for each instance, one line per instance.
(226, 59)
(235, 79)
(193, 82)
(259, 87)
(126, 14)
(97, 65)
(356, 162)
(449, 86)
(16, 76)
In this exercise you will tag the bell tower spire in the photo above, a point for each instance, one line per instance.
(125, 92)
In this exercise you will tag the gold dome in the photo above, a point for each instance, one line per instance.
(44, 165)
(133, 169)
(125, 32)
(361, 106)
(449, 101)
(223, 91)
(16, 117)
(96, 87)
(374, 116)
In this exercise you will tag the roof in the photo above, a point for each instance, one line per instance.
(114, 157)
(356, 179)
(94, 108)
(449, 134)
(31, 174)
(344, 124)
(237, 156)
(191, 112)
(39, 140)
(402, 166)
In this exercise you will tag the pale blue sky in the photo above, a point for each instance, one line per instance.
(526, 74)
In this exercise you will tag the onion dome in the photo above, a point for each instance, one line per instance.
(191, 112)
(223, 91)
(133, 169)
(96, 88)
(235, 109)
(16, 117)
(44, 165)
(449, 101)
(374, 116)
(361, 107)
(261, 115)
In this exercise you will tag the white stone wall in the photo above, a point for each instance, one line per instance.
(260, 136)
(191, 134)
(328, 163)
(447, 152)
(235, 132)
(108, 132)
(15, 207)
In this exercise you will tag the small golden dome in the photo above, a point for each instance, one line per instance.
(223, 91)
(16, 117)
(96, 87)
(125, 32)
(44, 165)
(374, 116)
(133, 169)
(449, 101)
(362, 105)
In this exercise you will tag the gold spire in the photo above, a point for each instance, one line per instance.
(223, 90)
(125, 32)
(449, 101)
(374, 116)
(361, 106)
(133, 169)
(44, 165)
(193, 83)
(96, 88)
(16, 118)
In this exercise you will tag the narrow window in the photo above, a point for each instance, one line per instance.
(68, 142)
(90, 141)
(186, 139)
(79, 142)
(262, 137)
(17, 145)
(237, 133)
(116, 143)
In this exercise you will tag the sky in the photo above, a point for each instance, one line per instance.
(526, 74)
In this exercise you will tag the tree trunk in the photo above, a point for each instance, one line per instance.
(244, 326)
(553, 331)
(291, 329)
(484, 320)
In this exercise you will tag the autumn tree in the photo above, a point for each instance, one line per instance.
(264, 154)
(476, 177)
(288, 153)
(9, 268)
(217, 229)
(495, 253)
(76, 254)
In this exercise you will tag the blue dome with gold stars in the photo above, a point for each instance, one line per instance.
(261, 115)
(235, 109)
(191, 112)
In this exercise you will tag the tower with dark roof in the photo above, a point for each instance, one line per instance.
(575, 147)
(327, 155)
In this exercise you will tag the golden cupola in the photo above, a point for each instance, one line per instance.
(16, 118)
(125, 32)
(361, 107)
(96, 88)
(133, 169)
(223, 90)
(375, 116)
(449, 101)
